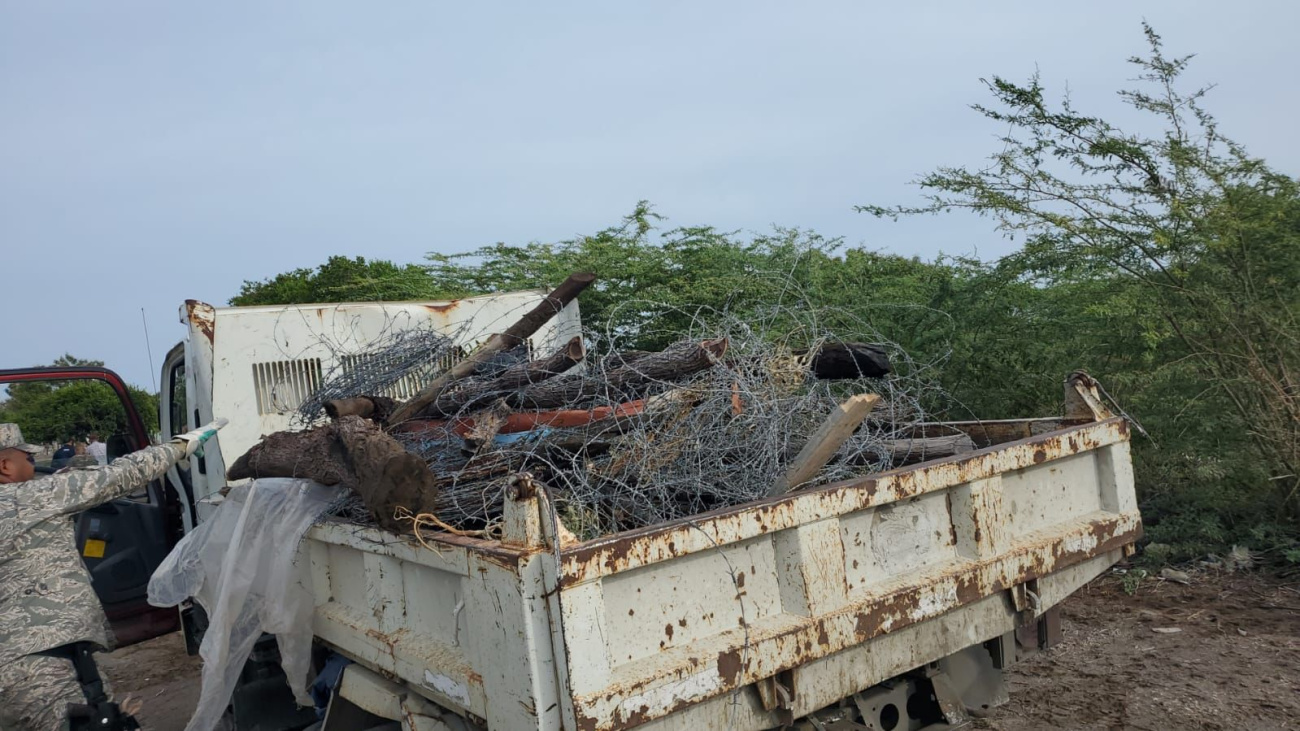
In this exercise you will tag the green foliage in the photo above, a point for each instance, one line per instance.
(1187, 254)
(340, 280)
(1165, 264)
(55, 411)
(1132, 580)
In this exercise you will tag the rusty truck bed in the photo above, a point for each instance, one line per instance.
(745, 617)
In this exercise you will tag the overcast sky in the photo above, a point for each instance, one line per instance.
(153, 152)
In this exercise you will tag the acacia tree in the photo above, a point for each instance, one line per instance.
(1209, 235)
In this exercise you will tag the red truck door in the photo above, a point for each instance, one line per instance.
(122, 541)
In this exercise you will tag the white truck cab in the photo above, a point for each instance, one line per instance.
(256, 365)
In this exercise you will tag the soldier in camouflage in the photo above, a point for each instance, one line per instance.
(46, 598)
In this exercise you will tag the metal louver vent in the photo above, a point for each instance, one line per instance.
(409, 382)
(281, 386)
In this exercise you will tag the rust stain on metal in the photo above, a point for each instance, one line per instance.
(730, 666)
(443, 309)
(601, 557)
(952, 524)
(635, 718)
(965, 583)
(200, 315)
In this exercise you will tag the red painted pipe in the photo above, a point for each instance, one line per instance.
(523, 421)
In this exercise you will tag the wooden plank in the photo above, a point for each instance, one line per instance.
(826, 441)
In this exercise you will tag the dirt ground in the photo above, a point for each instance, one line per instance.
(1233, 663)
(161, 675)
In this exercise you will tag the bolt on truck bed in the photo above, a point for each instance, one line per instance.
(745, 618)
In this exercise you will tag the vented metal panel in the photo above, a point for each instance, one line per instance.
(409, 383)
(281, 386)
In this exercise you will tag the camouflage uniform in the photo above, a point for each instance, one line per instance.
(35, 692)
(46, 598)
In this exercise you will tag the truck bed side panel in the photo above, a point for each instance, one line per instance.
(694, 611)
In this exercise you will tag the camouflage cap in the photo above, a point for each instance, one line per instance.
(11, 437)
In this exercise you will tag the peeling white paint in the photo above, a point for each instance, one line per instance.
(1080, 543)
(934, 603)
(458, 692)
(663, 698)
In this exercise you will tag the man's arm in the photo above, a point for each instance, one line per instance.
(72, 492)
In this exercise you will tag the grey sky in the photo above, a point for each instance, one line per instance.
(153, 152)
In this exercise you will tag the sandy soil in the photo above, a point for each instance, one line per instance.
(161, 675)
(1234, 662)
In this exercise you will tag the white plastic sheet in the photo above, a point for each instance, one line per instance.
(240, 566)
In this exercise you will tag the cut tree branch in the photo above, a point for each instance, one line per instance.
(475, 394)
(527, 325)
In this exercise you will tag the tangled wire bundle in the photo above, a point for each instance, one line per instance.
(713, 438)
(390, 365)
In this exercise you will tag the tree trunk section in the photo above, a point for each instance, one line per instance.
(675, 362)
(477, 394)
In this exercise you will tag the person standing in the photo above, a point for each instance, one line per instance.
(97, 449)
(63, 455)
(46, 598)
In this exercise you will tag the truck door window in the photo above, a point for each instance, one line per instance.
(177, 411)
(77, 423)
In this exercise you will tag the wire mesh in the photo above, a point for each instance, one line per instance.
(727, 436)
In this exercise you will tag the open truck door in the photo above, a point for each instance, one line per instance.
(124, 540)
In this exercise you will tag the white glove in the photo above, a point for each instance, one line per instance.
(193, 440)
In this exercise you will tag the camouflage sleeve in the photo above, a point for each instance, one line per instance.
(77, 490)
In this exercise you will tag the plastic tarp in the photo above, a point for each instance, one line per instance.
(241, 566)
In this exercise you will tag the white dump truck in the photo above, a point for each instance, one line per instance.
(893, 601)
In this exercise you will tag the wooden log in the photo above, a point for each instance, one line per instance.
(514, 335)
(474, 394)
(359, 406)
(848, 360)
(352, 452)
(909, 451)
(310, 454)
(386, 476)
(622, 358)
(825, 442)
(673, 363)
(375, 408)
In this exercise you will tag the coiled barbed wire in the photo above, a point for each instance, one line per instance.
(725, 444)
(397, 363)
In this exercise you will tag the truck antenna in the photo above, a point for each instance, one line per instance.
(153, 377)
